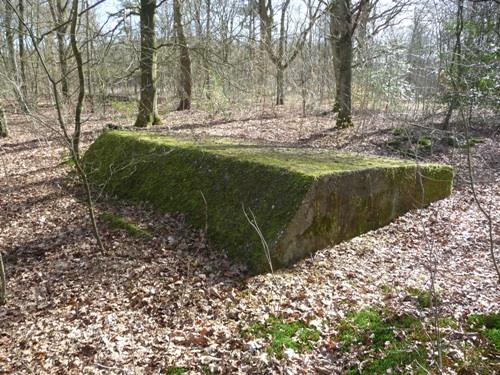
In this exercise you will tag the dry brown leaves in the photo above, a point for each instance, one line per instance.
(171, 301)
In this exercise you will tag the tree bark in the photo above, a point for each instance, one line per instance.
(341, 40)
(185, 81)
(11, 55)
(3, 283)
(280, 85)
(283, 56)
(455, 66)
(22, 59)
(4, 132)
(280, 68)
(78, 123)
(58, 12)
(148, 102)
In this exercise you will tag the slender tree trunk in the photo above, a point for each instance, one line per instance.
(341, 39)
(280, 84)
(148, 111)
(186, 83)
(88, 51)
(280, 68)
(78, 123)
(455, 67)
(4, 132)
(63, 63)
(11, 55)
(3, 283)
(206, 50)
(58, 12)
(22, 59)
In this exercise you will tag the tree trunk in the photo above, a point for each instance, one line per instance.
(206, 50)
(58, 12)
(455, 66)
(148, 113)
(341, 40)
(88, 50)
(3, 124)
(3, 283)
(280, 68)
(11, 55)
(280, 78)
(185, 81)
(22, 60)
(62, 63)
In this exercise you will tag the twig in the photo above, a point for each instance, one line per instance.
(3, 283)
(253, 223)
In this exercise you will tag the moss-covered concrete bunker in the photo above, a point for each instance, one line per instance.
(303, 199)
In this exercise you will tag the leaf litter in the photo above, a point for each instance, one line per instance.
(170, 302)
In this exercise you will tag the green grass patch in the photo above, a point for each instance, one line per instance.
(488, 325)
(119, 223)
(283, 334)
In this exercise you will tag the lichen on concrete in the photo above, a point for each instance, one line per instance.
(302, 199)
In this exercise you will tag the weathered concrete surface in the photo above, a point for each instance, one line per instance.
(303, 200)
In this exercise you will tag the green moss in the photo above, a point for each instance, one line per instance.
(488, 325)
(176, 370)
(220, 177)
(398, 358)
(397, 131)
(118, 222)
(424, 297)
(425, 141)
(478, 361)
(448, 321)
(473, 141)
(282, 334)
(377, 330)
(386, 289)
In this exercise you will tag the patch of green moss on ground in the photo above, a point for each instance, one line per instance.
(425, 298)
(477, 360)
(282, 335)
(118, 222)
(377, 330)
(488, 325)
(448, 322)
(176, 370)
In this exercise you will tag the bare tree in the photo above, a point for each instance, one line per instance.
(70, 139)
(282, 56)
(12, 66)
(455, 66)
(185, 79)
(341, 40)
(345, 19)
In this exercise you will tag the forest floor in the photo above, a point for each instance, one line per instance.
(169, 304)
